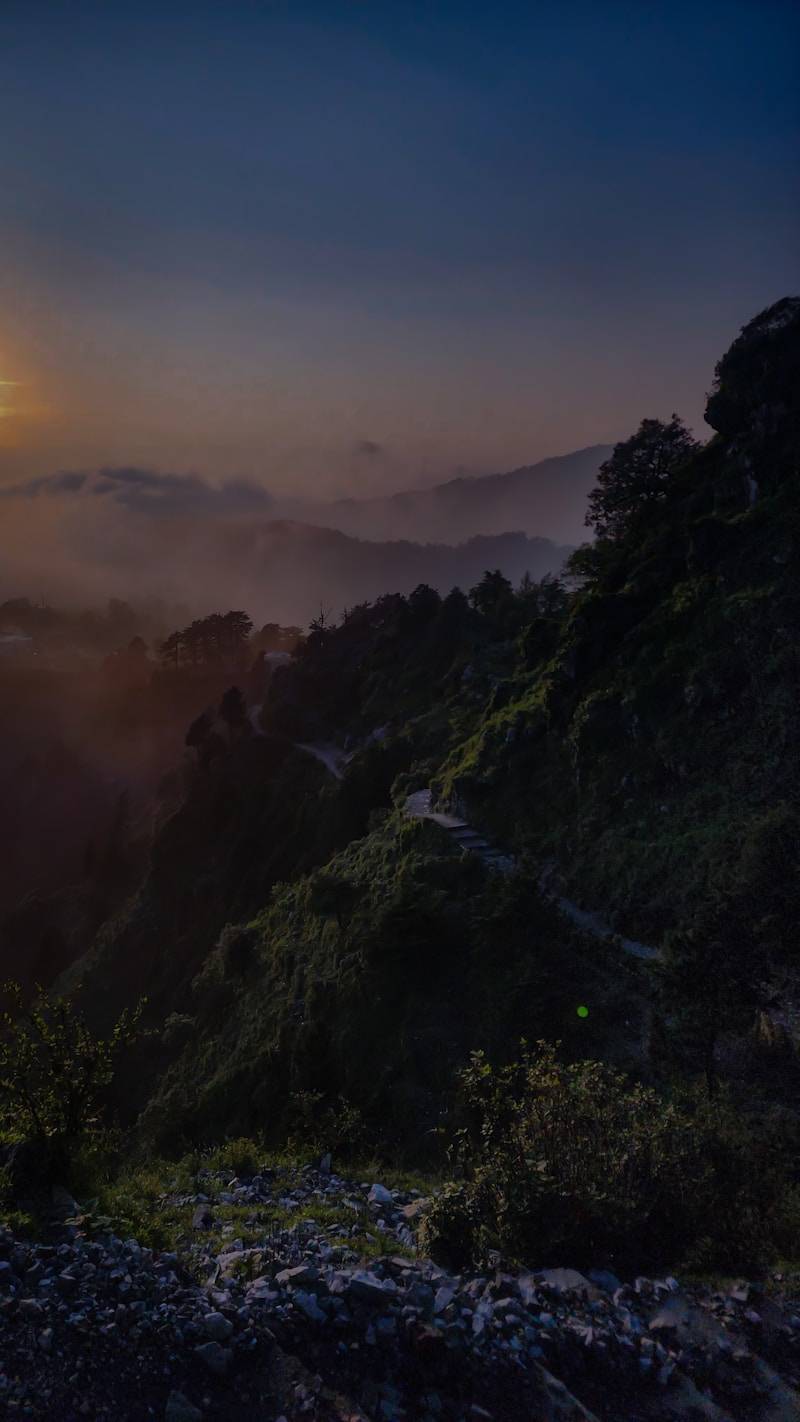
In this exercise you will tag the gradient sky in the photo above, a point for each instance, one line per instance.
(348, 247)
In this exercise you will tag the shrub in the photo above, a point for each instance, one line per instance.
(237, 945)
(564, 1161)
(242, 1157)
(53, 1077)
(577, 1164)
(318, 1125)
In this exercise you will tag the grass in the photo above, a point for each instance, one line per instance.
(140, 1202)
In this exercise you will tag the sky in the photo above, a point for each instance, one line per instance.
(346, 248)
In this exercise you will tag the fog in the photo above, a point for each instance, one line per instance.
(75, 537)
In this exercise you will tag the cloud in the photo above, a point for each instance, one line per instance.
(367, 449)
(49, 485)
(147, 491)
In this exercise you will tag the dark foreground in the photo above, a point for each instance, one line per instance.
(298, 1325)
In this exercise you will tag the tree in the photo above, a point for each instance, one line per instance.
(424, 603)
(235, 630)
(493, 596)
(636, 476)
(547, 598)
(233, 710)
(54, 1073)
(199, 731)
(170, 650)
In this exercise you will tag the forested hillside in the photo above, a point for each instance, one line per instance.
(573, 998)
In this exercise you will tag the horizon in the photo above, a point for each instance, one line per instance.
(238, 252)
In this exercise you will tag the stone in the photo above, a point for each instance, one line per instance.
(180, 1409)
(203, 1217)
(567, 1281)
(216, 1358)
(300, 1274)
(368, 1288)
(218, 1327)
(415, 1209)
(309, 1306)
(379, 1195)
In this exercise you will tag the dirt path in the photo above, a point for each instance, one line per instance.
(419, 806)
(330, 756)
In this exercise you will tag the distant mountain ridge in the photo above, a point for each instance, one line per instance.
(297, 567)
(546, 500)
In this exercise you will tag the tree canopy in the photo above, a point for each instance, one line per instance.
(637, 474)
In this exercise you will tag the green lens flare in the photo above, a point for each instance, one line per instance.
(583, 1011)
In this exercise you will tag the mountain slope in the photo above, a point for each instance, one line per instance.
(292, 569)
(547, 499)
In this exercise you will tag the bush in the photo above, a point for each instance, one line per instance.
(576, 1164)
(318, 1126)
(53, 1078)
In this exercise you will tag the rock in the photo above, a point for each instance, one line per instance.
(216, 1358)
(444, 1297)
(379, 1195)
(203, 1217)
(301, 1274)
(218, 1327)
(180, 1409)
(567, 1281)
(415, 1209)
(673, 1314)
(368, 1288)
(309, 1306)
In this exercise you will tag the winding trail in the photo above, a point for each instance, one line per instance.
(334, 759)
(419, 807)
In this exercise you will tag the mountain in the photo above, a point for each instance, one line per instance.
(547, 500)
(638, 737)
(291, 569)
(515, 875)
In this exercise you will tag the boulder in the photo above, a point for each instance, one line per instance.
(379, 1195)
(180, 1409)
(216, 1358)
(218, 1327)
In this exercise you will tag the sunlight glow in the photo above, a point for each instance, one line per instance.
(5, 408)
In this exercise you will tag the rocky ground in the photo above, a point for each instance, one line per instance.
(302, 1297)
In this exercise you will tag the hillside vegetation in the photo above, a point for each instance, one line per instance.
(318, 967)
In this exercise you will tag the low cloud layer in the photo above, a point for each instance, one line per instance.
(149, 491)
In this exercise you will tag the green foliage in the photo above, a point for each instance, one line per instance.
(564, 1161)
(54, 1074)
(318, 1126)
(579, 1162)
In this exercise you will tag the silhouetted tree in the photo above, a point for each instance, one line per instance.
(636, 475)
(170, 650)
(424, 603)
(233, 711)
(199, 731)
(493, 596)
